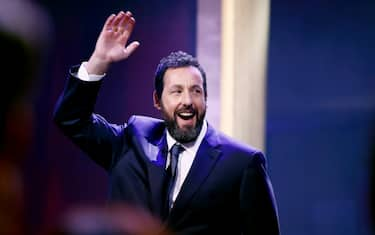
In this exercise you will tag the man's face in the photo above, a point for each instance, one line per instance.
(183, 103)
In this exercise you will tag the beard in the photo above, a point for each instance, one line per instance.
(184, 135)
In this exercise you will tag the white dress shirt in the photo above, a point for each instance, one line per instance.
(85, 76)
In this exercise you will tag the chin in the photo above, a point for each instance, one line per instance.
(186, 127)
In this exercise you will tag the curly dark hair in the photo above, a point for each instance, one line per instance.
(176, 60)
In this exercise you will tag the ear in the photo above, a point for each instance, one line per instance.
(156, 99)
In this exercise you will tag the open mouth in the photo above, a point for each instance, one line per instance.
(186, 115)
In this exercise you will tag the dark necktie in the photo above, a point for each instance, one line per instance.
(172, 172)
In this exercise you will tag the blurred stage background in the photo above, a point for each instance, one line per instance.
(320, 102)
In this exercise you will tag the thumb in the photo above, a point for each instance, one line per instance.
(131, 48)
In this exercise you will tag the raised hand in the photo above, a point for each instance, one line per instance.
(111, 45)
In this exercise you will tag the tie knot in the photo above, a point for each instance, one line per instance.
(176, 150)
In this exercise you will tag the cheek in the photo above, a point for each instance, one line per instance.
(201, 104)
(169, 105)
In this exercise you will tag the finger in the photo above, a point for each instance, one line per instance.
(130, 25)
(131, 48)
(119, 17)
(128, 29)
(108, 22)
(127, 17)
(121, 27)
(129, 13)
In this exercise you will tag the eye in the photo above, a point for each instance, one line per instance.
(197, 91)
(176, 91)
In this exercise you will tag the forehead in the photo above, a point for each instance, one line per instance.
(182, 76)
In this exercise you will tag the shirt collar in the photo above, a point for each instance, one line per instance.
(191, 146)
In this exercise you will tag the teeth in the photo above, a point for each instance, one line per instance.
(186, 114)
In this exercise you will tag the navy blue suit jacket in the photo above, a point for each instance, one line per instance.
(227, 190)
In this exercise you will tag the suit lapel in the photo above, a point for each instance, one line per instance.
(150, 143)
(156, 175)
(204, 161)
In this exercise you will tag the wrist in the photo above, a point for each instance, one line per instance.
(97, 65)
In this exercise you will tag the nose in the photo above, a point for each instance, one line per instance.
(186, 99)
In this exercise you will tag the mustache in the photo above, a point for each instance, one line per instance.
(189, 109)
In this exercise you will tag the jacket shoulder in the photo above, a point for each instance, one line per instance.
(234, 144)
(146, 126)
(238, 148)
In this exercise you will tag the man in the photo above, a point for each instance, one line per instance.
(191, 176)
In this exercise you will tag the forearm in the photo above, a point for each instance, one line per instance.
(74, 116)
(76, 103)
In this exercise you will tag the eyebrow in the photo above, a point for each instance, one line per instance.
(197, 86)
(179, 86)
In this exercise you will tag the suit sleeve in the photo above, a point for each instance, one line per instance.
(257, 200)
(92, 133)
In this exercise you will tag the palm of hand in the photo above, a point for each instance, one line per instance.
(111, 45)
